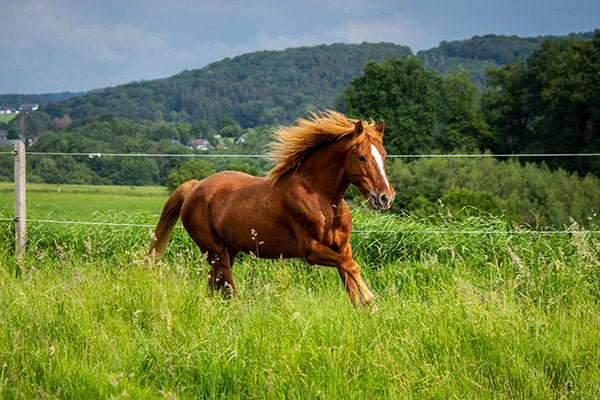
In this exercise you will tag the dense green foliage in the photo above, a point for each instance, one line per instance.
(423, 112)
(193, 169)
(524, 193)
(107, 134)
(482, 52)
(550, 104)
(479, 316)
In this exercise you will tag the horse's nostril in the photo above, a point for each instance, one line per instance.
(384, 199)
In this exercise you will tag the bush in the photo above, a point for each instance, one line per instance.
(523, 193)
(243, 167)
(194, 169)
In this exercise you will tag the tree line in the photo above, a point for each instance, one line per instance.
(547, 104)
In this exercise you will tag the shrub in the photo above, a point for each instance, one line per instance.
(194, 169)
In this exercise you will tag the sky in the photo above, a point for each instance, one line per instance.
(78, 45)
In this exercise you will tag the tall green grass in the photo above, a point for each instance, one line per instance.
(456, 316)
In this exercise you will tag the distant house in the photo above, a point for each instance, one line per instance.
(175, 142)
(8, 110)
(25, 108)
(241, 139)
(221, 145)
(200, 144)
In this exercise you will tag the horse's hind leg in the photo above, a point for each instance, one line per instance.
(350, 286)
(220, 275)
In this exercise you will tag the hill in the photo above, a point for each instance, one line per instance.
(255, 89)
(278, 86)
(481, 52)
(13, 100)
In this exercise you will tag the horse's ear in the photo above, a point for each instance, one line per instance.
(358, 128)
(381, 127)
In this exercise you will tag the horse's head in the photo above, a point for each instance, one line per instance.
(365, 168)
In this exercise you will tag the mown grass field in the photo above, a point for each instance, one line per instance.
(7, 117)
(456, 316)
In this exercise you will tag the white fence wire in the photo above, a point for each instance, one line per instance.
(216, 155)
(397, 231)
(401, 156)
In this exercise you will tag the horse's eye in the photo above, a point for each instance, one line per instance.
(362, 158)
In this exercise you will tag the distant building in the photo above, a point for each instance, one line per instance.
(6, 110)
(28, 107)
(200, 144)
(241, 139)
(221, 145)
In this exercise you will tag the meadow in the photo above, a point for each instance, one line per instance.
(6, 118)
(456, 315)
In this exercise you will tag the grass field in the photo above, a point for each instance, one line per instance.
(7, 117)
(457, 315)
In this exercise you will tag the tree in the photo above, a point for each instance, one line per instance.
(401, 92)
(549, 104)
(228, 127)
(568, 76)
(12, 133)
(423, 111)
(460, 121)
(243, 167)
(509, 107)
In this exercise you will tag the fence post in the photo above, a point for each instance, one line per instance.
(20, 208)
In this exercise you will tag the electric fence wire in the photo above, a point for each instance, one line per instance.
(403, 231)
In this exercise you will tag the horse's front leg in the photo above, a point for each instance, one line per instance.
(317, 253)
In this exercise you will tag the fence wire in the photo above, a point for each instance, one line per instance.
(402, 156)
(212, 155)
(403, 231)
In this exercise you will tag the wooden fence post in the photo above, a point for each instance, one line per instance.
(20, 208)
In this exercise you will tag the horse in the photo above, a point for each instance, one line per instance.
(297, 211)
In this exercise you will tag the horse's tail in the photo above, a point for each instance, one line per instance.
(169, 217)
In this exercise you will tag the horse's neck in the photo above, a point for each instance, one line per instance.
(324, 172)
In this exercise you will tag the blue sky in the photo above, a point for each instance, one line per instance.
(78, 45)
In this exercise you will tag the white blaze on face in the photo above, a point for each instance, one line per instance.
(377, 156)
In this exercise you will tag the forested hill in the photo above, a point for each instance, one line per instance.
(480, 52)
(255, 89)
(278, 86)
(15, 100)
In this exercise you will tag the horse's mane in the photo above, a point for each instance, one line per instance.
(293, 143)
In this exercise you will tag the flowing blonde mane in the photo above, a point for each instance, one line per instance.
(293, 143)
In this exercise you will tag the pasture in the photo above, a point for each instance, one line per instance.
(6, 118)
(456, 315)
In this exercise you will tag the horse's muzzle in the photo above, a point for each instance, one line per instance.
(382, 202)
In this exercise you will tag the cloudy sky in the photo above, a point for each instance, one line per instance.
(78, 45)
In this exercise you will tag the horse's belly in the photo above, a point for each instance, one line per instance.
(262, 238)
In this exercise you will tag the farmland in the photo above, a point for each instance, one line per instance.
(456, 314)
(6, 118)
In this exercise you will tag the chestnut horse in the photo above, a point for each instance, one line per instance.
(297, 211)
